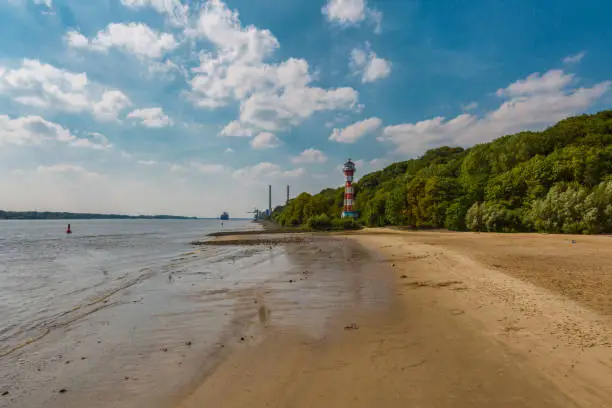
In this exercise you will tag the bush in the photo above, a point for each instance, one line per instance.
(319, 222)
(455, 216)
(473, 218)
(498, 218)
(345, 224)
(561, 211)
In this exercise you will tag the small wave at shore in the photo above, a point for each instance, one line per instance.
(62, 319)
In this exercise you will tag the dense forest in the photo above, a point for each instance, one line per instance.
(557, 181)
(35, 215)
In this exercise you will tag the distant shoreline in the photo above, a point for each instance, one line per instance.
(50, 215)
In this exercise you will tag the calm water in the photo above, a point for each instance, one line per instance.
(128, 314)
(48, 277)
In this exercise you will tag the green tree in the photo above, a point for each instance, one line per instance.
(556, 180)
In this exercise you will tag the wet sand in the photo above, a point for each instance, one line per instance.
(154, 342)
(458, 320)
(372, 318)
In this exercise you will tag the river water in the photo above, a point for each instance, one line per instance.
(48, 277)
(87, 310)
(129, 314)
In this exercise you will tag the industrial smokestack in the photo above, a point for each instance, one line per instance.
(287, 195)
(270, 198)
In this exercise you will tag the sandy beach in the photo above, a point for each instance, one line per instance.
(453, 320)
(377, 317)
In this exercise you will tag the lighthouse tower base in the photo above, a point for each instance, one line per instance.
(349, 214)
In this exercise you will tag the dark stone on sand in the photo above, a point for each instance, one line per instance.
(63, 391)
(5, 393)
(352, 326)
(242, 338)
(291, 281)
(188, 343)
(126, 378)
(403, 277)
(165, 349)
(83, 358)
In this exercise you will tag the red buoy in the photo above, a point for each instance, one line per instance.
(68, 231)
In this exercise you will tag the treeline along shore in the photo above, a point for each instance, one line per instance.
(555, 181)
(47, 215)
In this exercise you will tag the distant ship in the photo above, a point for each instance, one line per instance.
(224, 216)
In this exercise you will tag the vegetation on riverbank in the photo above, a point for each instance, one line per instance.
(46, 215)
(558, 181)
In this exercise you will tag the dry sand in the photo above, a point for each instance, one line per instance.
(473, 320)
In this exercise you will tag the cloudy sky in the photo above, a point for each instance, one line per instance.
(194, 107)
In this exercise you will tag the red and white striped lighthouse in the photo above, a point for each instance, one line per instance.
(349, 172)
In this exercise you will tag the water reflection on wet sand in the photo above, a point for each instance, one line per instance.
(162, 336)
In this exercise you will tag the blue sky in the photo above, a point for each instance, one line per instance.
(194, 107)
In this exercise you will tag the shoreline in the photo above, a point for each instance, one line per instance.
(375, 317)
(470, 320)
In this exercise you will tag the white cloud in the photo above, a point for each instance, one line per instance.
(34, 130)
(574, 59)
(532, 103)
(257, 171)
(66, 169)
(551, 81)
(310, 156)
(235, 128)
(345, 11)
(265, 140)
(369, 65)
(469, 106)
(205, 168)
(265, 172)
(111, 104)
(379, 163)
(351, 12)
(74, 39)
(147, 162)
(271, 96)
(99, 137)
(167, 69)
(48, 3)
(134, 38)
(44, 86)
(293, 173)
(273, 112)
(177, 168)
(176, 12)
(208, 168)
(356, 131)
(151, 117)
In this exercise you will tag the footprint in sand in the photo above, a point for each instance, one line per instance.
(264, 315)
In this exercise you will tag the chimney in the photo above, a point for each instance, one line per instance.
(270, 198)
(287, 195)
